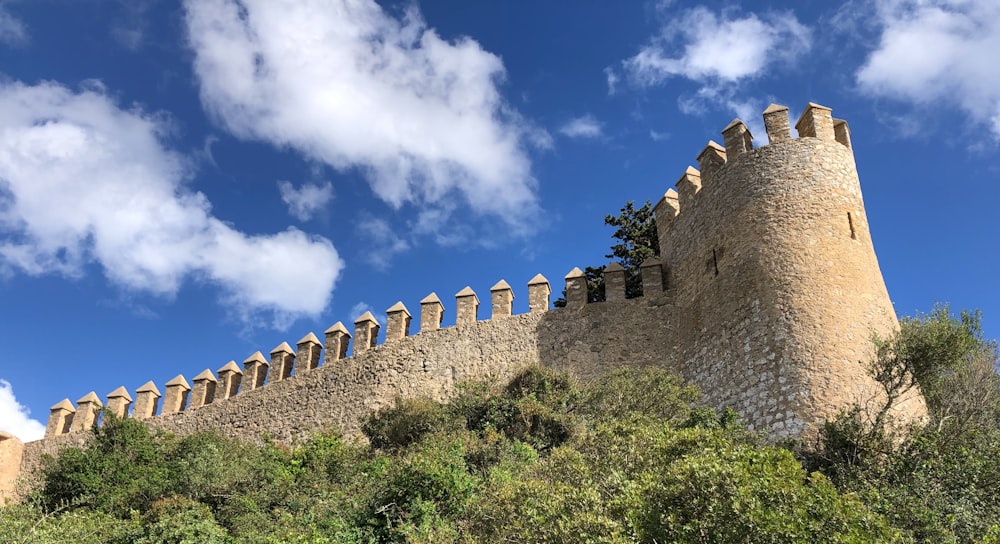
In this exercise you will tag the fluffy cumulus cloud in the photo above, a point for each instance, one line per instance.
(15, 418)
(585, 126)
(83, 181)
(938, 50)
(303, 203)
(351, 85)
(707, 47)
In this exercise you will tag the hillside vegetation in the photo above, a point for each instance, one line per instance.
(628, 458)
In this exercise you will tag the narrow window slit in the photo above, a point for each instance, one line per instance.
(850, 223)
(715, 262)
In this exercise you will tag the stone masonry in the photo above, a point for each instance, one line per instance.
(765, 295)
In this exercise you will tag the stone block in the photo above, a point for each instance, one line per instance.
(502, 300)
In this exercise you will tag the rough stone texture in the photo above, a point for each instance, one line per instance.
(576, 288)
(87, 410)
(614, 282)
(816, 122)
(11, 453)
(539, 293)
(779, 299)
(502, 300)
(119, 402)
(60, 418)
(282, 362)
(736, 139)
(841, 132)
(365, 333)
(230, 378)
(308, 354)
(431, 313)
(397, 322)
(651, 272)
(776, 123)
(176, 397)
(254, 371)
(772, 292)
(687, 187)
(467, 307)
(203, 391)
(710, 160)
(146, 399)
(337, 340)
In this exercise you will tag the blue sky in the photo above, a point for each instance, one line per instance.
(184, 183)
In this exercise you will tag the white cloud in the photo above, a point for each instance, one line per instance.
(613, 79)
(381, 241)
(702, 46)
(12, 29)
(15, 418)
(941, 51)
(304, 202)
(585, 126)
(84, 181)
(657, 136)
(349, 85)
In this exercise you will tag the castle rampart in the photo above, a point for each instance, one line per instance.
(765, 295)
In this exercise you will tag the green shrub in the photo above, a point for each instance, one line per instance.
(406, 422)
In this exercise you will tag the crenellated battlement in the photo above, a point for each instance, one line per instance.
(285, 363)
(816, 122)
(765, 295)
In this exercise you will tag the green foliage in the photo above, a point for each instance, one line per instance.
(631, 392)
(120, 471)
(748, 494)
(534, 408)
(29, 524)
(407, 422)
(939, 482)
(635, 231)
(178, 520)
(945, 356)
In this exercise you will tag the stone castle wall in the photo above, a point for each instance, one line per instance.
(11, 451)
(766, 295)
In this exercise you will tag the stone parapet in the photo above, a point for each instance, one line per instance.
(147, 397)
(576, 289)
(337, 341)
(539, 293)
(309, 349)
(60, 418)
(282, 362)
(365, 333)
(230, 379)
(176, 397)
(467, 307)
(502, 300)
(204, 388)
(88, 408)
(119, 402)
(614, 282)
(397, 322)
(431, 313)
(254, 371)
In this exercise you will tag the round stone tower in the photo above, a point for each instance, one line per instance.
(777, 285)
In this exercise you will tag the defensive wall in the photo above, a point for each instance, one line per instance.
(765, 296)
